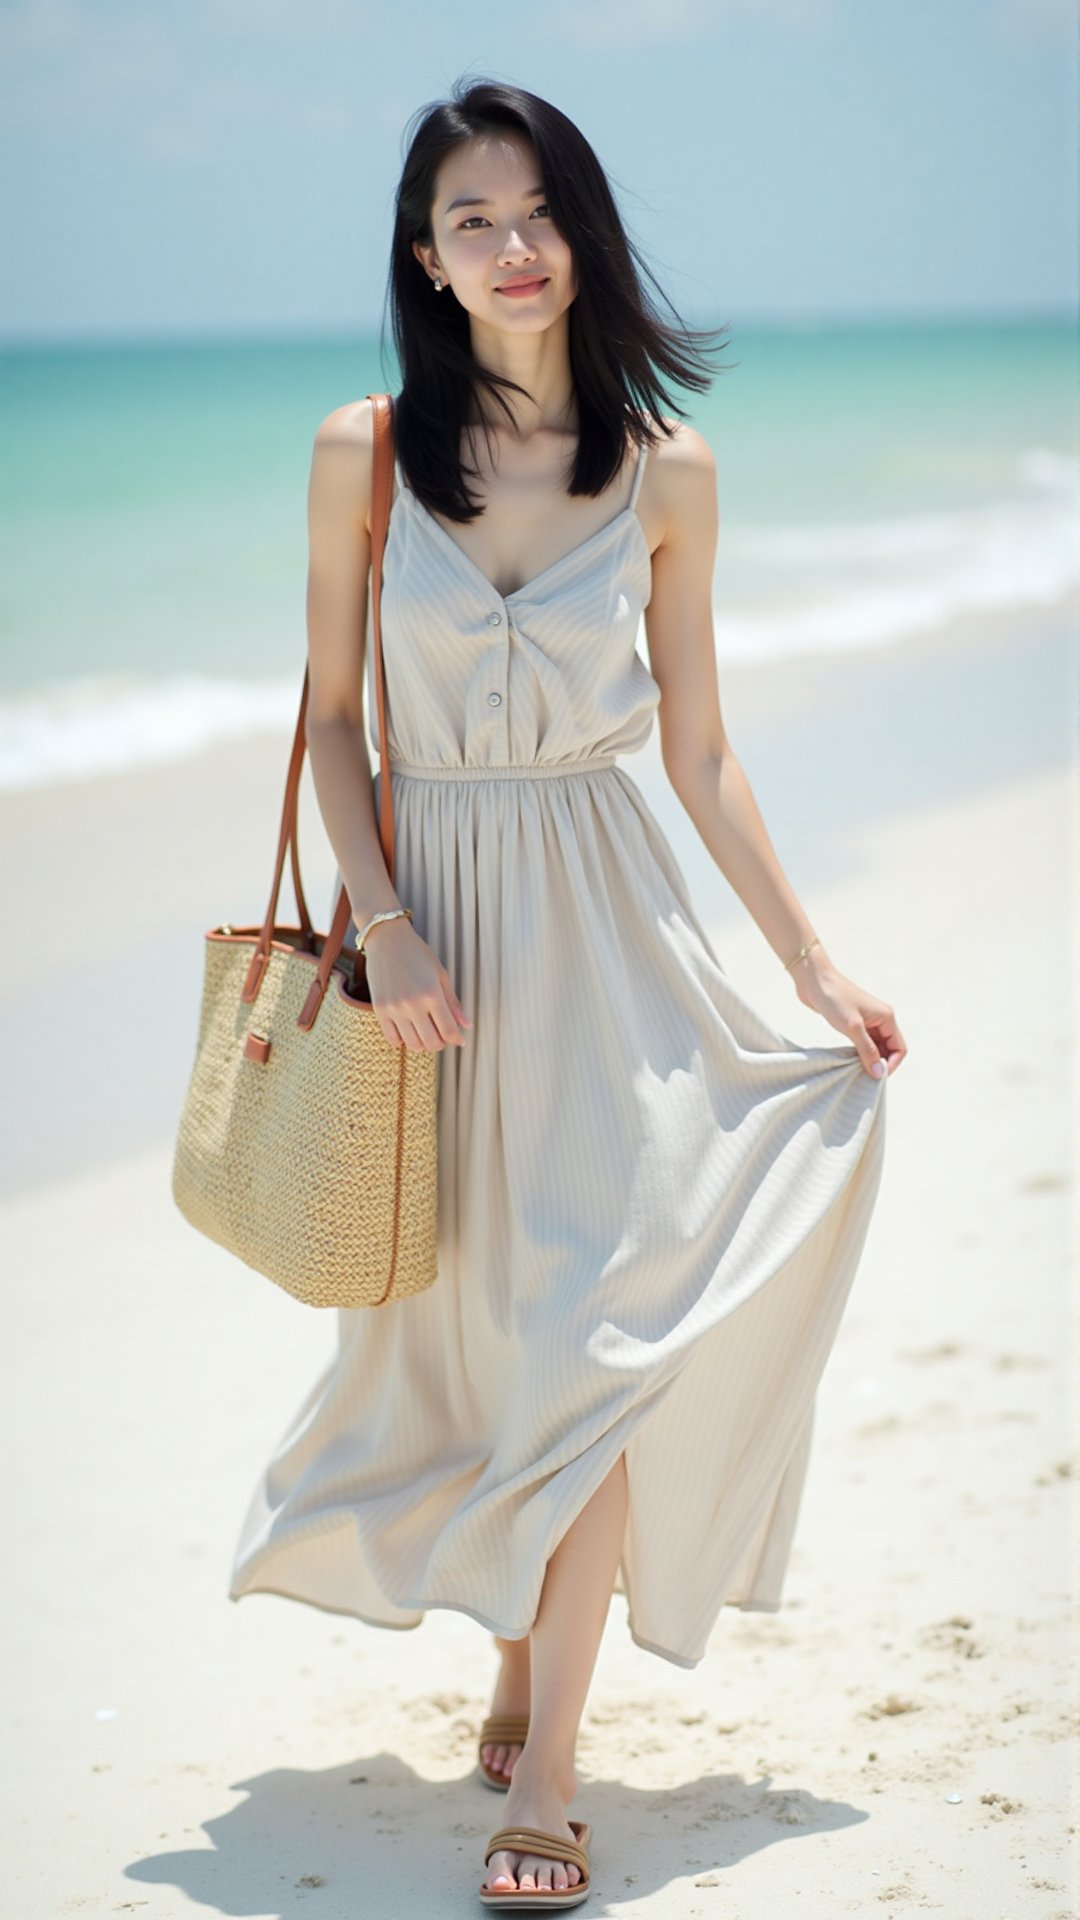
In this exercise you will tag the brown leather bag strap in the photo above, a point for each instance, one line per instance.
(288, 837)
(381, 489)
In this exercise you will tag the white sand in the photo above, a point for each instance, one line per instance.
(169, 1752)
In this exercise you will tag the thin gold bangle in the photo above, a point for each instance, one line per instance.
(802, 953)
(390, 913)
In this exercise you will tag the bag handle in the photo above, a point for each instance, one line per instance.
(381, 487)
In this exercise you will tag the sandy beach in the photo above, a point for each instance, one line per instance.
(897, 1738)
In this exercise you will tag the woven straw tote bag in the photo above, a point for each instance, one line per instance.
(307, 1140)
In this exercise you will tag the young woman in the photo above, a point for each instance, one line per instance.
(652, 1203)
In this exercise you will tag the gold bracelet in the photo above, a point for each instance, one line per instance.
(392, 913)
(802, 953)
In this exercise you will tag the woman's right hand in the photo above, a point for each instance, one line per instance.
(410, 990)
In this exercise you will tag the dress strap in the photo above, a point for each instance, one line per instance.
(643, 454)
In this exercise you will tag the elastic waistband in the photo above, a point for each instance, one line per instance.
(529, 770)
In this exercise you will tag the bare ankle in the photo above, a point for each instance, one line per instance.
(544, 1774)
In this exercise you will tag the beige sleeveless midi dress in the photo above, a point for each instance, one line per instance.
(651, 1202)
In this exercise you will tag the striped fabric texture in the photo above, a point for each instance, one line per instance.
(652, 1204)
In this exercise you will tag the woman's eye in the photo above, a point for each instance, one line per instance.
(465, 224)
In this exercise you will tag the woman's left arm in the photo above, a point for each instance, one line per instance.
(698, 757)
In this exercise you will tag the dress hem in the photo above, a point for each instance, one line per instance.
(492, 1626)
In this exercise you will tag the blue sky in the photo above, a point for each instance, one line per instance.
(227, 167)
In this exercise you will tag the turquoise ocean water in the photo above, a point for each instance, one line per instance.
(874, 481)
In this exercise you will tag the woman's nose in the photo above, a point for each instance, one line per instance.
(514, 246)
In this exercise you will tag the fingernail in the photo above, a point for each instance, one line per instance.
(878, 1069)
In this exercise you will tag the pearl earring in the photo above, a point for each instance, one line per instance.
(438, 286)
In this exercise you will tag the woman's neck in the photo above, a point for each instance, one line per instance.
(538, 362)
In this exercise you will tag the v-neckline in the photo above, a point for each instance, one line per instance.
(627, 512)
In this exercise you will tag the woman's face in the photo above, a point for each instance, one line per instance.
(504, 234)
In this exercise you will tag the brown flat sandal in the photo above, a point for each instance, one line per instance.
(550, 1847)
(500, 1730)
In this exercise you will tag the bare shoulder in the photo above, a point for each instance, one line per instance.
(341, 463)
(685, 451)
(683, 485)
(352, 425)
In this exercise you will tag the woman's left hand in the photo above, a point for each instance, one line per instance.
(869, 1023)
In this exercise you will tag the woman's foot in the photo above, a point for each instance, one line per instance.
(539, 1800)
(512, 1695)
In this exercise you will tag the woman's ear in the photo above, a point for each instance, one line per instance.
(426, 257)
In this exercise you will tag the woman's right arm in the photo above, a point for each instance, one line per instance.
(410, 989)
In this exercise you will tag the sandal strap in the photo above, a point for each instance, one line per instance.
(535, 1840)
(504, 1727)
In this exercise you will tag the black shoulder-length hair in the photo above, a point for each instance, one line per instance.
(619, 346)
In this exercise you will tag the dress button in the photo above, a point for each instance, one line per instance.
(494, 619)
(494, 699)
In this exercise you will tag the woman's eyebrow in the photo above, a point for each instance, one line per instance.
(467, 200)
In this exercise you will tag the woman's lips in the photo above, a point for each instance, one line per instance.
(523, 288)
